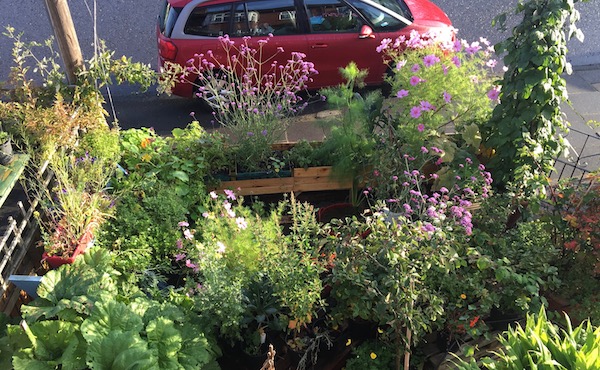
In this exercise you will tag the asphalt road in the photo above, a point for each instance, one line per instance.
(128, 28)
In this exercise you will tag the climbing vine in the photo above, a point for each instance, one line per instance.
(524, 133)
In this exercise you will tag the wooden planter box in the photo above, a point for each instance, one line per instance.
(302, 179)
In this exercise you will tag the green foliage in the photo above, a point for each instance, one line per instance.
(349, 143)
(525, 128)
(574, 218)
(371, 355)
(382, 277)
(437, 88)
(541, 344)
(86, 318)
(244, 274)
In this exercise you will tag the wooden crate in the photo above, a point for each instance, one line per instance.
(303, 179)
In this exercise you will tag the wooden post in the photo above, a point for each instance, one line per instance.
(64, 30)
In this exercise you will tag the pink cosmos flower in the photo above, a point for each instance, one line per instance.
(221, 248)
(421, 127)
(447, 97)
(213, 195)
(415, 112)
(491, 63)
(241, 223)
(430, 60)
(415, 80)
(494, 93)
(188, 234)
(230, 194)
(473, 48)
(384, 44)
(401, 94)
(456, 60)
(426, 106)
(183, 224)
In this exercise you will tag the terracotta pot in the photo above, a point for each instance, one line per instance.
(86, 241)
(338, 211)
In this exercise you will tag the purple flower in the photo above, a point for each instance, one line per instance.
(401, 94)
(428, 228)
(183, 224)
(415, 68)
(447, 97)
(494, 93)
(424, 150)
(179, 256)
(400, 64)
(179, 244)
(426, 106)
(415, 80)
(430, 60)
(421, 127)
(456, 60)
(230, 194)
(415, 112)
(443, 190)
(191, 265)
(264, 132)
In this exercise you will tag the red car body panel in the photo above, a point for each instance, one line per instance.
(328, 51)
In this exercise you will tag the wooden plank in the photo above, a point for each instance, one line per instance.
(309, 179)
(322, 171)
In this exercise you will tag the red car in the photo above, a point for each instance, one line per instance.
(331, 33)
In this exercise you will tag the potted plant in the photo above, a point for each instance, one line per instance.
(77, 199)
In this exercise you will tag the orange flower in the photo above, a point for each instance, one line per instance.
(145, 142)
(474, 321)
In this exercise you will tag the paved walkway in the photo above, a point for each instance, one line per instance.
(583, 87)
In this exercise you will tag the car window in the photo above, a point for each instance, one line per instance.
(380, 20)
(208, 21)
(332, 16)
(397, 6)
(277, 17)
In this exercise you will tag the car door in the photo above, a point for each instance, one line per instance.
(335, 38)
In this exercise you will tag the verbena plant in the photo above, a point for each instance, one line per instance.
(252, 92)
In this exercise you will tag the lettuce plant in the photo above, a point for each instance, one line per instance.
(85, 318)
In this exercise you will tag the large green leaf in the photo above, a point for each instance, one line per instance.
(120, 351)
(109, 316)
(165, 340)
(52, 343)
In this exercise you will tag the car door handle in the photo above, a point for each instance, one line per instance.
(319, 46)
